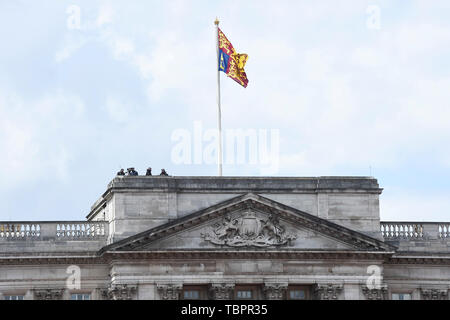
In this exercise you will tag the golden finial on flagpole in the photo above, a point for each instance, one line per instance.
(216, 22)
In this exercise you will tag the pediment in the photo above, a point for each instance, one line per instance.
(249, 222)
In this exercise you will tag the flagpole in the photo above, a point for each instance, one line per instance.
(219, 162)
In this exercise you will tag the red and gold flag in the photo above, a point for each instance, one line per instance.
(231, 62)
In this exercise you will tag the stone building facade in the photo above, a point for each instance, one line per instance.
(155, 237)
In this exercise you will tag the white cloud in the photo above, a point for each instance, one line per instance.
(33, 139)
(122, 48)
(118, 110)
(331, 95)
(72, 43)
(106, 14)
(403, 206)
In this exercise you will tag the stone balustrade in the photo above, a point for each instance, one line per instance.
(444, 230)
(84, 230)
(415, 230)
(401, 230)
(58, 230)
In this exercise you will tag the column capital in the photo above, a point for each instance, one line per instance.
(221, 291)
(119, 292)
(376, 292)
(48, 294)
(434, 294)
(169, 291)
(275, 291)
(328, 291)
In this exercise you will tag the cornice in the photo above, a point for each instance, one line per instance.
(385, 257)
(246, 255)
(418, 260)
(42, 260)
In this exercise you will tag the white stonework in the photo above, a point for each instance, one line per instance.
(228, 238)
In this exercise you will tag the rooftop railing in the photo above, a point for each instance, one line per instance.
(58, 230)
(85, 230)
(395, 230)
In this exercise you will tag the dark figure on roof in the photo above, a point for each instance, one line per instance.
(149, 172)
(132, 172)
(163, 173)
(121, 172)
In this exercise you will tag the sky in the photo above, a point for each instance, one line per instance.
(352, 88)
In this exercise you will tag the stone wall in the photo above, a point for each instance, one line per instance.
(135, 204)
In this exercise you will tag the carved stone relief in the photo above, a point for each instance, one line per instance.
(221, 291)
(247, 229)
(275, 291)
(169, 291)
(119, 292)
(48, 294)
(434, 294)
(327, 291)
(377, 293)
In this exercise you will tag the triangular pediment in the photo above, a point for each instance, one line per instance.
(249, 222)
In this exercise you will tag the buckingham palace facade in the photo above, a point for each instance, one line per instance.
(159, 237)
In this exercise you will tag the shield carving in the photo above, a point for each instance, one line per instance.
(250, 227)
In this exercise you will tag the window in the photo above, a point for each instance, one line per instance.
(15, 297)
(401, 296)
(80, 296)
(244, 294)
(247, 292)
(298, 293)
(191, 294)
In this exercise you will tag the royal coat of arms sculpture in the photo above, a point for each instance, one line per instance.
(248, 230)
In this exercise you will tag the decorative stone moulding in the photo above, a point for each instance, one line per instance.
(327, 291)
(48, 294)
(169, 291)
(375, 293)
(221, 291)
(275, 291)
(434, 294)
(120, 292)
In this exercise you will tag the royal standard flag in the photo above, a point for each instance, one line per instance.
(230, 62)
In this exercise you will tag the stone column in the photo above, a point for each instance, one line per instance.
(120, 292)
(375, 293)
(275, 291)
(221, 291)
(327, 291)
(169, 291)
(48, 294)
